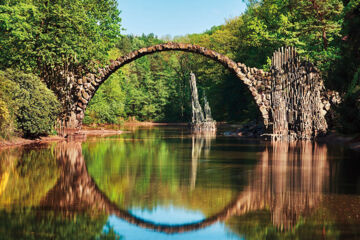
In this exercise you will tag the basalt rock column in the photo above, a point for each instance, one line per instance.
(298, 105)
(197, 112)
(198, 122)
(207, 111)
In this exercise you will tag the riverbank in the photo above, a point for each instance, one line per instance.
(94, 130)
(130, 124)
(353, 142)
(71, 135)
(17, 141)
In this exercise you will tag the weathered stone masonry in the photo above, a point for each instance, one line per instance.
(299, 101)
(264, 86)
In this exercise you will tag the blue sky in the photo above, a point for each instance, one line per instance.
(176, 17)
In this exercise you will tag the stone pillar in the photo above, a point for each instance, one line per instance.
(199, 123)
(197, 112)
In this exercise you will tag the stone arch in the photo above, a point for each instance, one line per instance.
(256, 80)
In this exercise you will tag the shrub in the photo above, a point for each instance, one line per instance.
(34, 107)
(8, 92)
(5, 121)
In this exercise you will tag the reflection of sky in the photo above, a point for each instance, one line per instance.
(168, 215)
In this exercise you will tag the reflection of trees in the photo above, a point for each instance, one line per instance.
(26, 175)
(34, 224)
(147, 171)
(288, 181)
(75, 191)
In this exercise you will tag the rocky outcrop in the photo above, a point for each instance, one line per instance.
(201, 120)
(299, 101)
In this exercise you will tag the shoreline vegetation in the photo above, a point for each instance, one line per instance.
(102, 130)
(93, 130)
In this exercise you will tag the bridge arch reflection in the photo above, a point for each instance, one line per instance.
(288, 180)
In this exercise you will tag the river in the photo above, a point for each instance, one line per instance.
(164, 183)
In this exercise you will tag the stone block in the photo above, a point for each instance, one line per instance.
(263, 110)
(85, 95)
(259, 101)
(84, 101)
(94, 83)
(98, 80)
(80, 116)
(91, 87)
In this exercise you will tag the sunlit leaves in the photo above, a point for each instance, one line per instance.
(43, 35)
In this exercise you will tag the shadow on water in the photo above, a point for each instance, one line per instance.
(292, 190)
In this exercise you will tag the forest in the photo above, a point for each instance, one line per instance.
(43, 42)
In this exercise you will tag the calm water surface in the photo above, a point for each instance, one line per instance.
(164, 183)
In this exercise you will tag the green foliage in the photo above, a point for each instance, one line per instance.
(349, 111)
(26, 176)
(107, 106)
(140, 90)
(32, 224)
(34, 107)
(131, 168)
(258, 225)
(5, 120)
(345, 73)
(57, 37)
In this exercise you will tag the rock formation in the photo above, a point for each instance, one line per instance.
(199, 123)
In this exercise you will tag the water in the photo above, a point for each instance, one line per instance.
(163, 183)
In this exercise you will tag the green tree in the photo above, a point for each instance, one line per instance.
(140, 89)
(345, 72)
(34, 107)
(57, 39)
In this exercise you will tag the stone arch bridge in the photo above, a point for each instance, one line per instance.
(289, 97)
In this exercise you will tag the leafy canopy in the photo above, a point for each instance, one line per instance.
(47, 36)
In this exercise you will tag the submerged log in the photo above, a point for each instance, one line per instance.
(199, 123)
